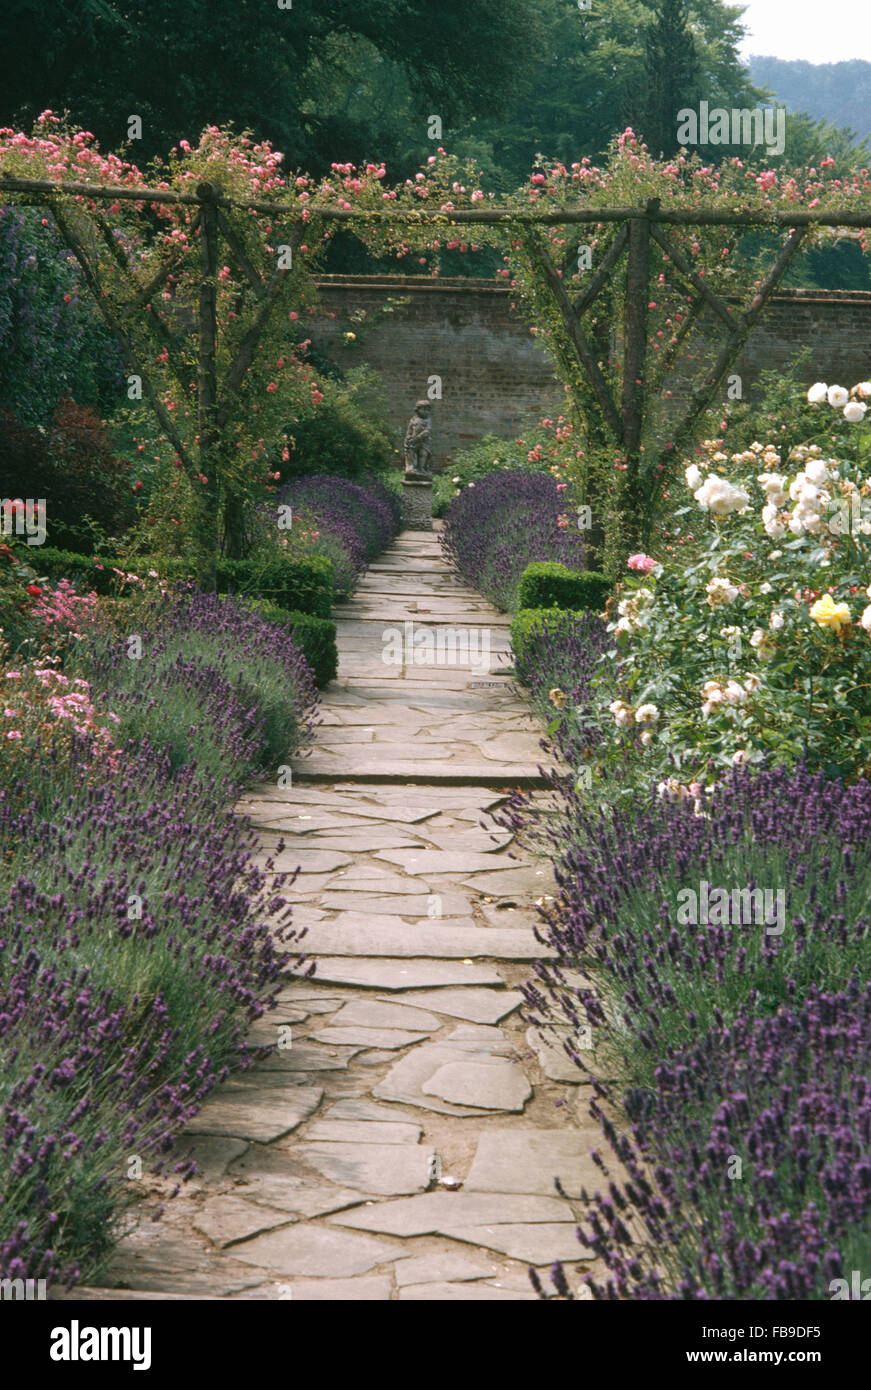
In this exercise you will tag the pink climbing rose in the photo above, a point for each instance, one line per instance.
(640, 562)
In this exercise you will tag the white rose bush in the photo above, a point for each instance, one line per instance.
(753, 644)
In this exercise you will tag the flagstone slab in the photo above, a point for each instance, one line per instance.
(441, 1213)
(366, 878)
(169, 1262)
(307, 861)
(255, 1114)
(476, 1005)
(387, 1039)
(353, 1109)
(307, 1057)
(390, 1169)
(539, 1243)
(316, 1251)
(415, 905)
(372, 936)
(442, 1266)
(403, 974)
(363, 841)
(211, 1153)
(528, 1160)
(494, 1084)
(228, 1220)
(371, 1013)
(373, 1288)
(464, 1293)
(553, 1060)
(500, 884)
(362, 1132)
(405, 1080)
(435, 861)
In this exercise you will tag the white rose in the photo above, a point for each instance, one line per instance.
(816, 471)
(647, 737)
(720, 591)
(863, 388)
(796, 486)
(817, 393)
(752, 683)
(776, 621)
(774, 527)
(734, 693)
(694, 476)
(837, 396)
(739, 757)
(646, 714)
(854, 411)
(765, 588)
(865, 620)
(719, 497)
(775, 554)
(757, 637)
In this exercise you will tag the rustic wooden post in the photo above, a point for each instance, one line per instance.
(634, 358)
(207, 388)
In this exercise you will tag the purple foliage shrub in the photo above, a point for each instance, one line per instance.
(504, 522)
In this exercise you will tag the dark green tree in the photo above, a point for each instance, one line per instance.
(181, 67)
(672, 76)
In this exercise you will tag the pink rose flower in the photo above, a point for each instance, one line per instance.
(644, 563)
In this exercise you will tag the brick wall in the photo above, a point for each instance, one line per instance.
(497, 378)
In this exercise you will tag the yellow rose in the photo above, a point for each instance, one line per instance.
(830, 614)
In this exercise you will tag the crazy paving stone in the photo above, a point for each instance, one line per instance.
(255, 1114)
(389, 1169)
(389, 1039)
(367, 1110)
(316, 1251)
(227, 1220)
(403, 974)
(464, 1293)
(476, 1005)
(369, 1013)
(539, 1243)
(437, 1213)
(362, 1132)
(553, 1060)
(495, 1084)
(528, 1160)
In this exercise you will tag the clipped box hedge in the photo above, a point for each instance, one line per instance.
(526, 625)
(316, 637)
(299, 586)
(85, 571)
(546, 584)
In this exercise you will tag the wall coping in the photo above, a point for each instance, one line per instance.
(470, 285)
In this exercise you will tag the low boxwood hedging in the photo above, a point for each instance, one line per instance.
(546, 584)
(316, 637)
(300, 586)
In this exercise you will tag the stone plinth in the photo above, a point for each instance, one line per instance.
(417, 505)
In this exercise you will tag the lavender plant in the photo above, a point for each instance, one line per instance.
(502, 523)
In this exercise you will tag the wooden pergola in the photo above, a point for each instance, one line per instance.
(637, 230)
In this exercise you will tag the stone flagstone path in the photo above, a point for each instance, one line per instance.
(324, 1170)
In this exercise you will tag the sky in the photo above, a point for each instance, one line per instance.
(819, 32)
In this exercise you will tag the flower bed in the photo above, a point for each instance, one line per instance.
(137, 940)
(501, 524)
(712, 850)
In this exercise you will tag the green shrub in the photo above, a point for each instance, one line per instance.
(526, 625)
(304, 586)
(85, 571)
(316, 637)
(346, 433)
(545, 584)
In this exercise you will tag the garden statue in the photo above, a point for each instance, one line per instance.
(418, 454)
